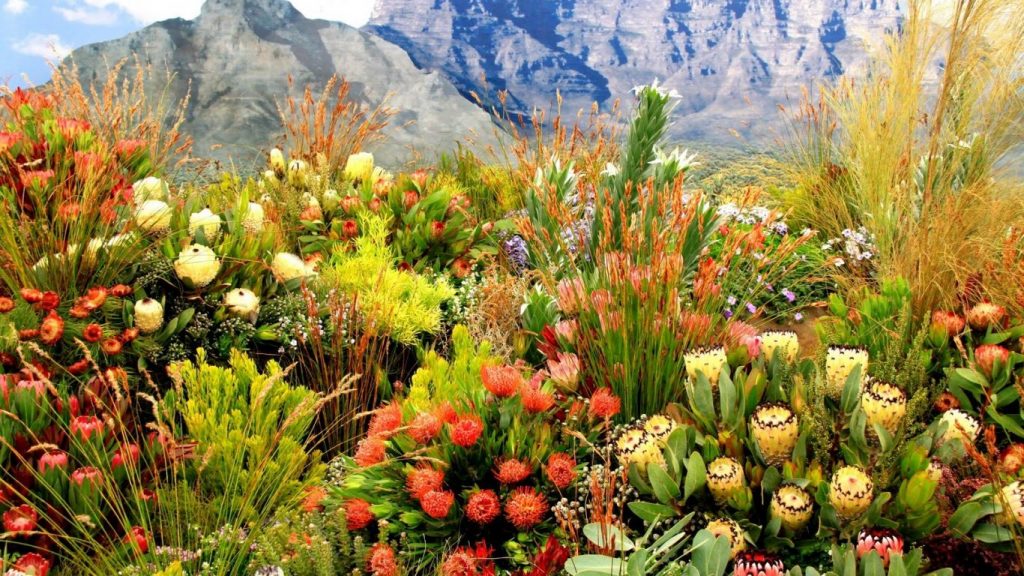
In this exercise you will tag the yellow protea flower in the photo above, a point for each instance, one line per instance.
(782, 342)
(729, 528)
(287, 266)
(839, 364)
(277, 162)
(208, 221)
(149, 315)
(359, 167)
(775, 429)
(153, 216)
(254, 218)
(197, 264)
(850, 492)
(1012, 499)
(725, 477)
(793, 506)
(659, 426)
(960, 425)
(883, 404)
(709, 361)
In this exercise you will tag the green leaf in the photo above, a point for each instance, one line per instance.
(596, 563)
(851, 390)
(710, 554)
(607, 536)
(665, 489)
(651, 512)
(696, 475)
(727, 399)
(635, 566)
(990, 533)
(966, 516)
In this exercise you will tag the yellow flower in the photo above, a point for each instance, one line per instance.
(149, 315)
(359, 167)
(850, 492)
(659, 426)
(883, 404)
(242, 303)
(297, 173)
(709, 361)
(151, 188)
(839, 364)
(153, 216)
(287, 266)
(331, 199)
(729, 528)
(208, 221)
(960, 424)
(381, 175)
(253, 219)
(1013, 502)
(782, 342)
(725, 477)
(793, 506)
(197, 265)
(775, 429)
(277, 163)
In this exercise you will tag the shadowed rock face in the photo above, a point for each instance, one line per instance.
(235, 58)
(733, 61)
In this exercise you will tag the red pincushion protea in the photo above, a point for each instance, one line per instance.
(381, 561)
(313, 501)
(370, 451)
(424, 427)
(437, 503)
(502, 381)
(423, 479)
(358, 514)
(93, 333)
(988, 356)
(6, 304)
(466, 430)
(561, 470)
(385, 421)
(525, 508)
(483, 507)
(512, 471)
(33, 564)
(882, 540)
(604, 404)
(758, 563)
(21, 519)
(534, 399)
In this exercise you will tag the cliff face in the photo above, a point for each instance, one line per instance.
(235, 58)
(733, 61)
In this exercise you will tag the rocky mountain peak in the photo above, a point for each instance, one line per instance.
(269, 11)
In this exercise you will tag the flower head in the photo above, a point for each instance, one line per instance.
(840, 362)
(885, 542)
(52, 329)
(775, 429)
(359, 167)
(424, 427)
(502, 381)
(358, 514)
(242, 303)
(197, 265)
(149, 315)
(525, 508)
(381, 561)
(206, 221)
(423, 479)
(986, 315)
(850, 492)
(1012, 500)
(961, 425)
(707, 361)
(287, 266)
(85, 427)
(535, 400)
(253, 219)
(883, 404)
(483, 507)
(561, 470)
(466, 430)
(783, 343)
(565, 371)
(437, 503)
(725, 478)
(512, 471)
(947, 323)
(989, 357)
(729, 528)
(21, 519)
(32, 564)
(370, 451)
(758, 563)
(153, 216)
(793, 506)
(386, 421)
(604, 404)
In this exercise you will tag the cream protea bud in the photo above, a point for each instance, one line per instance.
(1012, 499)
(207, 221)
(151, 188)
(197, 265)
(277, 163)
(288, 266)
(850, 492)
(885, 542)
(331, 199)
(253, 219)
(242, 303)
(986, 315)
(153, 216)
(725, 478)
(635, 446)
(758, 563)
(297, 173)
(729, 528)
(793, 506)
(840, 362)
(359, 167)
(775, 429)
(709, 361)
(960, 424)
(149, 315)
(883, 404)
(659, 426)
(783, 342)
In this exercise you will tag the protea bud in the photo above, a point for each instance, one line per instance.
(725, 477)
(242, 303)
(986, 315)
(885, 542)
(85, 488)
(21, 519)
(758, 563)
(840, 362)
(793, 506)
(990, 357)
(850, 492)
(136, 537)
(297, 170)
(151, 188)
(254, 217)
(153, 216)
(86, 428)
(53, 467)
(31, 564)
(1012, 499)
(775, 429)
(197, 265)
(288, 266)
(946, 324)
(782, 342)
(658, 427)
(206, 220)
(708, 361)
(277, 162)
(149, 315)
(729, 528)
(564, 371)
(959, 424)
(883, 404)
(359, 167)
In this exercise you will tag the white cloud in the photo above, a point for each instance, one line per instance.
(15, 6)
(88, 16)
(352, 12)
(47, 46)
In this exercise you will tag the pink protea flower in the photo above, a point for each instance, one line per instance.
(886, 542)
(988, 356)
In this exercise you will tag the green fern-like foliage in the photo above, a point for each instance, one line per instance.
(459, 377)
(402, 304)
(250, 428)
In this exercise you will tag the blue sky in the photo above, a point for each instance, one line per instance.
(33, 32)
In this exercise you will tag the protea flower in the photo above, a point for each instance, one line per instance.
(793, 506)
(885, 542)
(153, 216)
(986, 315)
(149, 315)
(883, 404)
(725, 477)
(21, 519)
(729, 528)
(197, 265)
(86, 485)
(571, 293)
(564, 371)
(1011, 458)
(288, 266)
(206, 220)
(850, 492)
(52, 329)
(659, 426)
(988, 357)
(85, 427)
(708, 361)
(947, 324)
(242, 303)
(840, 362)
(1012, 499)
(253, 219)
(297, 170)
(758, 563)
(359, 167)
(782, 342)
(31, 564)
(277, 162)
(775, 429)
(151, 188)
(960, 424)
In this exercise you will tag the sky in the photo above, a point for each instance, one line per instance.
(34, 32)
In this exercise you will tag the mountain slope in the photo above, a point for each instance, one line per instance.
(238, 55)
(733, 61)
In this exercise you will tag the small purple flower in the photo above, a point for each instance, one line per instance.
(727, 313)
(769, 287)
(790, 296)
(751, 308)
(798, 317)
(731, 300)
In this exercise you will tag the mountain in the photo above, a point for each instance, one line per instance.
(234, 60)
(732, 61)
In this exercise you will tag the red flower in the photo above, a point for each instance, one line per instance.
(459, 563)
(93, 299)
(52, 329)
(446, 413)
(525, 508)
(313, 502)
(988, 356)
(382, 560)
(437, 229)
(410, 198)
(33, 564)
(561, 470)
(882, 540)
(35, 178)
(534, 399)
(6, 304)
(350, 203)
(28, 334)
(512, 471)
(424, 427)
(483, 507)
(126, 454)
(121, 291)
(502, 381)
(386, 420)
(111, 346)
(83, 427)
(350, 228)
(128, 148)
(31, 295)
(604, 404)
(49, 301)
(986, 314)
(374, 205)
(423, 479)
(93, 333)
(21, 519)
(52, 460)
(758, 563)
(948, 323)
(461, 268)
(437, 503)
(136, 536)
(79, 368)
(129, 334)
(80, 312)
(370, 450)
(466, 430)
(358, 514)
(8, 140)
